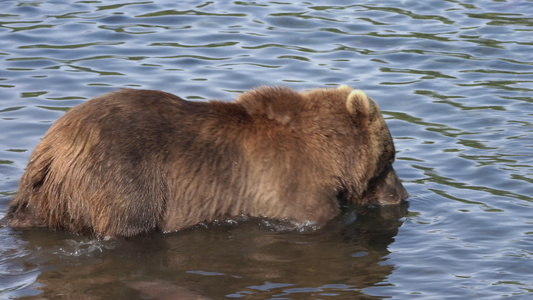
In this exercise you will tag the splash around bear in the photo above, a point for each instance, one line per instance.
(135, 161)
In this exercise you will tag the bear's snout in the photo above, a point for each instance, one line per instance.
(389, 189)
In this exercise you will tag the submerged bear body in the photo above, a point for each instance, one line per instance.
(135, 161)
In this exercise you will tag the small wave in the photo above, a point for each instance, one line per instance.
(290, 225)
(76, 248)
(274, 225)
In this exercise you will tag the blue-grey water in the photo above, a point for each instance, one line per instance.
(454, 79)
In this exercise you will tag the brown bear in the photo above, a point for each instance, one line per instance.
(135, 161)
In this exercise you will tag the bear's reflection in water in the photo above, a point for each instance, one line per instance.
(255, 259)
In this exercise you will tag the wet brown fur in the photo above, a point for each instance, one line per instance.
(134, 161)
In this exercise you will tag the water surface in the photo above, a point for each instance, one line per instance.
(454, 80)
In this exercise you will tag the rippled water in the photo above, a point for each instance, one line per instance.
(455, 82)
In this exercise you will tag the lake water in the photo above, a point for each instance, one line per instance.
(454, 80)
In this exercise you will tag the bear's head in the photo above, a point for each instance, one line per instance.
(375, 154)
(339, 134)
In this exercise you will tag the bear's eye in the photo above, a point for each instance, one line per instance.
(388, 156)
(385, 161)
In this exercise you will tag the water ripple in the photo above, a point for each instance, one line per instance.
(453, 78)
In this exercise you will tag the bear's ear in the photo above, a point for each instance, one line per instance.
(345, 87)
(360, 106)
